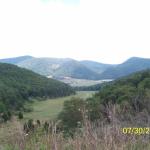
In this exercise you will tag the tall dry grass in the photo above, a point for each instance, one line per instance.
(99, 135)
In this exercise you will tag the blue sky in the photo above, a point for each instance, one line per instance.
(101, 30)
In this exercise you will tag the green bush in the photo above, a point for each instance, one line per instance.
(20, 115)
(72, 114)
(6, 116)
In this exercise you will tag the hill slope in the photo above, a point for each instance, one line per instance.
(75, 69)
(15, 60)
(130, 93)
(132, 65)
(59, 68)
(96, 66)
(43, 66)
(18, 84)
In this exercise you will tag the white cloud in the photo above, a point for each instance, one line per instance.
(107, 31)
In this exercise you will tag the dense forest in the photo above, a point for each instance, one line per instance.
(17, 85)
(130, 95)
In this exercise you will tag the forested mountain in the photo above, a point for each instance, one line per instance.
(43, 66)
(59, 68)
(17, 85)
(132, 65)
(75, 69)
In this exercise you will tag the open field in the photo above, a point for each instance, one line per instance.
(49, 109)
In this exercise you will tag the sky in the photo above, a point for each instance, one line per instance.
(108, 31)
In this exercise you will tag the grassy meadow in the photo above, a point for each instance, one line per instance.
(50, 108)
(42, 110)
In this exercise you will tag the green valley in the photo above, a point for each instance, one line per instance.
(50, 108)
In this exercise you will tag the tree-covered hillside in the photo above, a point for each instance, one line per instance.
(17, 85)
(77, 70)
(43, 66)
(131, 93)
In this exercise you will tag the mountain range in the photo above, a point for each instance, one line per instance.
(86, 69)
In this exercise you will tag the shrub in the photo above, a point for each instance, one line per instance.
(20, 115)
(72, 114)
